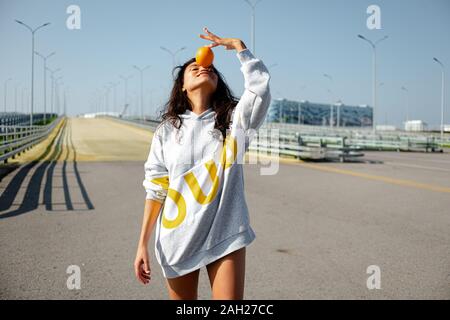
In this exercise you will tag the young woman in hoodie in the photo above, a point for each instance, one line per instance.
(194, 178)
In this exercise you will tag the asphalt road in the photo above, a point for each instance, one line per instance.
(318, 225)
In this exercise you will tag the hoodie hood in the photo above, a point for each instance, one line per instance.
(205, 115)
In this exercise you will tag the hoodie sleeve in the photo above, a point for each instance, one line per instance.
(156, 182)
(251, 109)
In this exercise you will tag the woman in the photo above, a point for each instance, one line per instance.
(195, 161)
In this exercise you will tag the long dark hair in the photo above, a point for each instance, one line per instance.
(223, 101)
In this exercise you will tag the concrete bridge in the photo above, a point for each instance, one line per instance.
(76, 199)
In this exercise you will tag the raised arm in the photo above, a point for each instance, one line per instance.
(252, 108)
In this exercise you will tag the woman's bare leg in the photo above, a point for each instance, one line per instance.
(184, 287)
(227, 276)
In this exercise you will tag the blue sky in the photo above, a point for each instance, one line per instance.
(305, 39)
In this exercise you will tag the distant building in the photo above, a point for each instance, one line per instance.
(446, 127)
(310, 113)
(415, 125)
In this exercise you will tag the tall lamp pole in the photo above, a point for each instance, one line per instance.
(253, 7)
(407, 103)
(374, 74)
(57, 96)
(173, 54)
(300, 105)
(442, 97)
(141, 71)
(33, 31)
(331, 97)
(45, 81)
(125, 82)
(114, 86)
(52, 76)
(15, 97)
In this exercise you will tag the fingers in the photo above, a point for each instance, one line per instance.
(216, 40)
(145, 271)
(142, 271)
(210, 36)
(211, 45)
(206, 37)
(146, 268)
(208, 32)
(137, 272)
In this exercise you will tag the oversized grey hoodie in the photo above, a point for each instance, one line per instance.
(199, 179)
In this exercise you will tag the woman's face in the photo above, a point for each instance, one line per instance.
(196, 76)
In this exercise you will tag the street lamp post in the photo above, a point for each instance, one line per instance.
(300, 106)
(385, 112)
(22, 100)
(27, 100)
(6, 91)
(52, 76)
(65, 103)
(338, 113)
(125, 82)
(331, 97)
(114, 86)
(374, 74)
(15, 97)
(407, 103)
(33, 31)
(442, 97)
(45, 81)
(253, 7)
(173, 54)
(150, 105)
(57, 96)
(141, 71)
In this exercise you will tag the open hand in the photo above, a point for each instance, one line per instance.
(229, 43)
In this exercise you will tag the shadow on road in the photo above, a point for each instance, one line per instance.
(33, 189)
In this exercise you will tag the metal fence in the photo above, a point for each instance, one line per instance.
(357, 133)
(16, 119)
(16, 139)
(319, 143)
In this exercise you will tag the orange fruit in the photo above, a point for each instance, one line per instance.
(204, 56)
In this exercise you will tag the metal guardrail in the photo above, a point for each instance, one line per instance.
(318, 143)
(23, 119)
(311, 148)
(146, 124)
(356, 133)
(427, 144)
(367, 143)
(16, 139)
